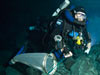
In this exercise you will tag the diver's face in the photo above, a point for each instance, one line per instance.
(80, 16)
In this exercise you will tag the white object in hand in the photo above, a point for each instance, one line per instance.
(88, 48)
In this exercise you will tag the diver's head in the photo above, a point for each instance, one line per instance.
(79, 14)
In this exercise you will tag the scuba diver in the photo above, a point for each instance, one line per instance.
(67, 32)
(66, 35)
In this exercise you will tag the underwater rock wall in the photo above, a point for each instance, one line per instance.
(84, 65)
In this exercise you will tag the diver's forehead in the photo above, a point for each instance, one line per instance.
(79, 12)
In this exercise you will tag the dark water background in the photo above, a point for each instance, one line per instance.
(16, 14)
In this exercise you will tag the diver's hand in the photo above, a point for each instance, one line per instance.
(88, 48)
(62, 6)
(69, 54)
(87, 51)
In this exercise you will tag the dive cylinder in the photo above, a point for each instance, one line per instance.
(62, 6)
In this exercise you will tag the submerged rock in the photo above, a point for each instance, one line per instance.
(12, 71)
(83, 66)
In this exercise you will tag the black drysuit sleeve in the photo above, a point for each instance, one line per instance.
(86, 35)
(84, 30)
